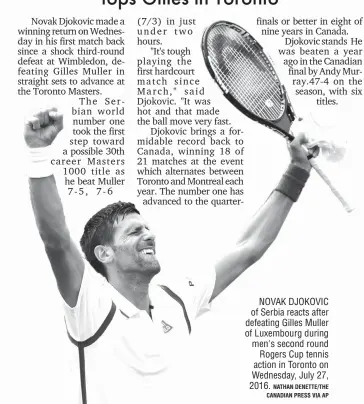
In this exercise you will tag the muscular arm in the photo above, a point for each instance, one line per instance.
(262, 229)
(254, 242)
(64, 257)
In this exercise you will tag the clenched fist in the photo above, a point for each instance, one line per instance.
(298, 148)
(42, 128)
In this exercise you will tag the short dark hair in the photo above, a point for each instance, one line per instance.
(99, 231)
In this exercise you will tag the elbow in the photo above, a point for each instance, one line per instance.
(53, 248)
(56, 241)
(254, 255)
(54, 234)
(52, 228)
(255, 249)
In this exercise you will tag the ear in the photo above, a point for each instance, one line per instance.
(104, 254)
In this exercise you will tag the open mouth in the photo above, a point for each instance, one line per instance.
(148, 251)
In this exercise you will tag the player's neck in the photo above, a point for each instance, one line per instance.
(135, 288)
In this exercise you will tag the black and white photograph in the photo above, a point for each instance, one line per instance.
(187, 179)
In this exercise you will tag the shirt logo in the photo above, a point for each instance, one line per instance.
(166, 327)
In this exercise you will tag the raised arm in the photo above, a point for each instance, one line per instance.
(64, 257)
(267, 222)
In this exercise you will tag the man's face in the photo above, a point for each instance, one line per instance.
(134, 246)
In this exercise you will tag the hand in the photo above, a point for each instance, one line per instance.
(297, 151)
(42, 128)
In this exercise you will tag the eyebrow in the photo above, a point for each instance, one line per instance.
(135, 226)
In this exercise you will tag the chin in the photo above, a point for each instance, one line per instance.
(155, 269)
(150, 266)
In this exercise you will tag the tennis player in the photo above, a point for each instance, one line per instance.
(125, 329)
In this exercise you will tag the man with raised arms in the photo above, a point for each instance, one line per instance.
(125, 329)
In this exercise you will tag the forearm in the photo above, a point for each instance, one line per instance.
(48, 212)
(260, 233)
(64, 257)
(266, 224)
(254, 242)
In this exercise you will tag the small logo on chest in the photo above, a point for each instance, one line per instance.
(166, 327)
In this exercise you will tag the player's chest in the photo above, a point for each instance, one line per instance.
(146, 344)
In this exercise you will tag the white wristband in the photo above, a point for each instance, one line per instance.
(39, 164)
